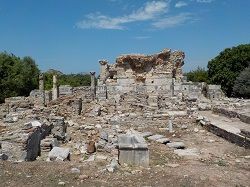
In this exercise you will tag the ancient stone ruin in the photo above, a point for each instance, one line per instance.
(142, 113)
(158, 76)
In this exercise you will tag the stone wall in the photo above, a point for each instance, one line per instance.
(157, 75)
(38, 97)
(150, 73)
(84, 92)
(65, 90)
(214, 92)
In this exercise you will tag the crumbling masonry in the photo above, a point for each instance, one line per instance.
(156, 76)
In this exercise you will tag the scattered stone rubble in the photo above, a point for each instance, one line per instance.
(95, 122)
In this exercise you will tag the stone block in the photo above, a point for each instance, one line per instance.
(187, 152)
(65, 90)
(133, 150)
(176, 145)
(155, 137)
(32, 147)
(146, 134)
(59, 127)
(58, 153)
(163, 140)
(3, 156)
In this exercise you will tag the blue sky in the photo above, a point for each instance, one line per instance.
(72, 35)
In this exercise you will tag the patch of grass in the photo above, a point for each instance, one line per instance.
(85, 157)
(221, 163)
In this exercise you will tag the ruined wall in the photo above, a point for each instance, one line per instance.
(214, 92)
(144, 73)
(65, 90)
(158, 76)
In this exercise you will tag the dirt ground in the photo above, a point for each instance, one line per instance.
(220, 163)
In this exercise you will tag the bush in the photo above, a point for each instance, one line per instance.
(242, 84)
(17, 76)
(226, 67)
(198, 75)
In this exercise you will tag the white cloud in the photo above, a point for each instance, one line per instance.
(172, 21)
(148, 12)
(204, 1)
(142, 37)
(180, 4)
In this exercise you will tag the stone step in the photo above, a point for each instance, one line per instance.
(187, 152)
(227, 128)
(155, 137)
(163, 140)
(146, 134)
(176, 145)
(243, 115)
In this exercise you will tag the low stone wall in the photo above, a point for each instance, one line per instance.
(225, 112)
(244, 117)
(18, 103)
(234, 138)
(214, 92)
(84, 92)
(3, 110)
(38, 97)
(65, 90)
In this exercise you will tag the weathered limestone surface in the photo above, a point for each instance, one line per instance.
(133, 150)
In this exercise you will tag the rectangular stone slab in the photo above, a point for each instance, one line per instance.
(163, 140)
(156, 137)
(133, 150)
(176, 145)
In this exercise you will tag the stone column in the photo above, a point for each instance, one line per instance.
(172, 87)
(170, 125)
(41, 82)
(103, 70)
(41, 88)
(55, 91)
(93, 89)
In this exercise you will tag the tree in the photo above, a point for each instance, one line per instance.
(17, 76)
(226, 67)
(73, 80)
(198, 75)
(242, 84)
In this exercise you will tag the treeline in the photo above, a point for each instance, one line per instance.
(80, 79)
(230, 69)
(18, 76)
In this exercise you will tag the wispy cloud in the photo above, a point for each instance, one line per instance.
(180, 4)
(172, 21)
(148, 12)
(204, 1)
(114, 1)
(142, 37)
